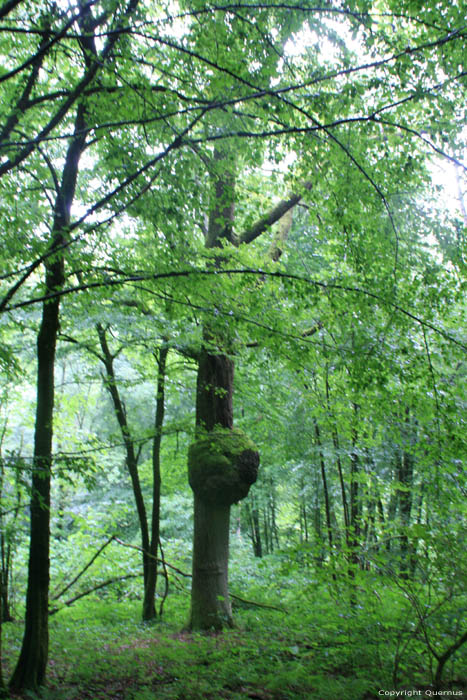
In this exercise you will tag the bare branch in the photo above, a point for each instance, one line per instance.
(272, 217)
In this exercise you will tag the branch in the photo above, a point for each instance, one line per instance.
(20, 106)
(94, 588)
(8, 6)
(151, 556)
(46, 46)
(272, 217)
(242, 271)
(75, 95)
(255, 604)
(446, 656)
(91, 350)
(176, 143)
(78, 576)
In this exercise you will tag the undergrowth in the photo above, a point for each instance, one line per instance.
(325, 640)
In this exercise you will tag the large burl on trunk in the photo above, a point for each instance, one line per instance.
(222, 465)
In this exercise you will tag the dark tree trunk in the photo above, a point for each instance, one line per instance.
(258, 545)
(267, 532)
(303, 515)
(391, 514)
(149, 602)
(355, 497)
(405, 476)
(131, 455)
(5, 544)
(254, 527)
(31, 667)
(272, 504)
(5, 613)
(327, 503)
(335, 440)
(3, 690)
(414, 544)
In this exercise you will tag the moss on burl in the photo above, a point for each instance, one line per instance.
(222, 465)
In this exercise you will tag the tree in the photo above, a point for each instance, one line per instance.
(149, 532)
(235, 89)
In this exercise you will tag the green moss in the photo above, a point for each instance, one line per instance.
(222, 465)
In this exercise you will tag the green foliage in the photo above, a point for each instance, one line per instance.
(345, 326)
(321, 642)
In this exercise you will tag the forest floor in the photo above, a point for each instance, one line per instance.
(99, 650)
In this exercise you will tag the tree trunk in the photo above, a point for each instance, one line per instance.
(3, 689)
(149, 602)
(405, 476)
(31, 667)
(5, 543)
(131, 456)
(255, 530)
(355, 497)
(210, 605)
(5, 614)
(272, 502)
(327, 503)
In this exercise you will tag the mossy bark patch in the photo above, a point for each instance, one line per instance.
(222, 465)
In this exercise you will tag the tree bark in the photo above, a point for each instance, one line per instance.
(327, 503)
(255, 530)
(31, 667)
(149, 602)
(405, 477)
(131, 456)
(210, 605)
(355, 497)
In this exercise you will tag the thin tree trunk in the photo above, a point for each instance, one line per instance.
(303, 515)
(131, 456)
(442, 660)
(355, 498)
(327, 504)
(274, 528)
(5, 543)
(405, 476)
(3, 690)
(149, 604)
(414, 545)
(266, 532)
(255, 531)
(335, 441)
(31, 667)
(391, 513)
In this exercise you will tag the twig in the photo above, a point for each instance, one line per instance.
(91, 561)
(151, 556)
(256, 604)
(91, 590)
(166, 578)
(446, 656)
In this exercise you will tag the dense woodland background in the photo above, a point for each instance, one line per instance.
(232, 231)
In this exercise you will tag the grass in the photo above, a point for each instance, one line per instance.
(321, 648)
